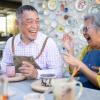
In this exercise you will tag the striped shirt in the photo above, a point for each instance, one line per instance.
(50, 60)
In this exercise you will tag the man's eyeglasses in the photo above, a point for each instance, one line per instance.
(29, 21)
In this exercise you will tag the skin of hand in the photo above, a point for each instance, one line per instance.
(68, 43)
(91, 75)
(28, 70)
(71, 60)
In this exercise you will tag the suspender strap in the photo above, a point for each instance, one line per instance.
(13, 47)
(42, 48)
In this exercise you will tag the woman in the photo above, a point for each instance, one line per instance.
(90, 58)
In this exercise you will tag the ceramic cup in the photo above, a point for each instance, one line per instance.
(64, 89)
(10, 71)
(46, 79)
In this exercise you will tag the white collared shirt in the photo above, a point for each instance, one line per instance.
(50, 61)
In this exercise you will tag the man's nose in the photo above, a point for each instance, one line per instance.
(34, 24)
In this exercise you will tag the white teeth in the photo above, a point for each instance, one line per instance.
(32, 30)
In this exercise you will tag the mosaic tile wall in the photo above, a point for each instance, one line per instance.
(64, 16)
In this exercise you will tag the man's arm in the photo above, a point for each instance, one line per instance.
(7, 56)
(53, 63)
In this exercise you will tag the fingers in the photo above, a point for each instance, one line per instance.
(67, 37)
(28, 72)
(70, 59)
(28, 69)
(67, 58)
(25, 63)
(68, 41)
(26, 66)
(64, 37)
(24, 69)
(66, 55)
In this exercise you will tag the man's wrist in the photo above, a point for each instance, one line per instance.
(34, 74)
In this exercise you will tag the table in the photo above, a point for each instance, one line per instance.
(23, 87)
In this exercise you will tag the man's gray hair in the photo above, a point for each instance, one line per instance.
(95, 17)
(23, 8)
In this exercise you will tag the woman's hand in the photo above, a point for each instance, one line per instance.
(68, 43)
(72, 60)
(74, 63)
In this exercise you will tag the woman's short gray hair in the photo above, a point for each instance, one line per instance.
(95, 17)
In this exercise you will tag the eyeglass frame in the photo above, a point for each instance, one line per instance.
(86, 28)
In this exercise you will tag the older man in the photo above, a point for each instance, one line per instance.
(91, 54)
(30, 42)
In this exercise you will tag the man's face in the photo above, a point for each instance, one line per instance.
(29, 24)
(89, 33)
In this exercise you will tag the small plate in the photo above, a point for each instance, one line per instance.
(81, 5)
(18, 77)
(52, 4)
(72, 22)
(54, 24)
(94, 9)
(61, 20)
(46, 12)
(36, 86)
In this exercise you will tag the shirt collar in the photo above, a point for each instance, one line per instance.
(19, 38)
(36, 41)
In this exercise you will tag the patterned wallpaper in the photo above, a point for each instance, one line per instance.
(64, 16)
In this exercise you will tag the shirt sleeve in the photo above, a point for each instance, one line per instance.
(54, 60)
(7, 56)
(98, 79)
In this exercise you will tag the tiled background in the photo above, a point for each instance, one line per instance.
(64, 16)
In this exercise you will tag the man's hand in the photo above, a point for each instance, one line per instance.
(28, 70)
